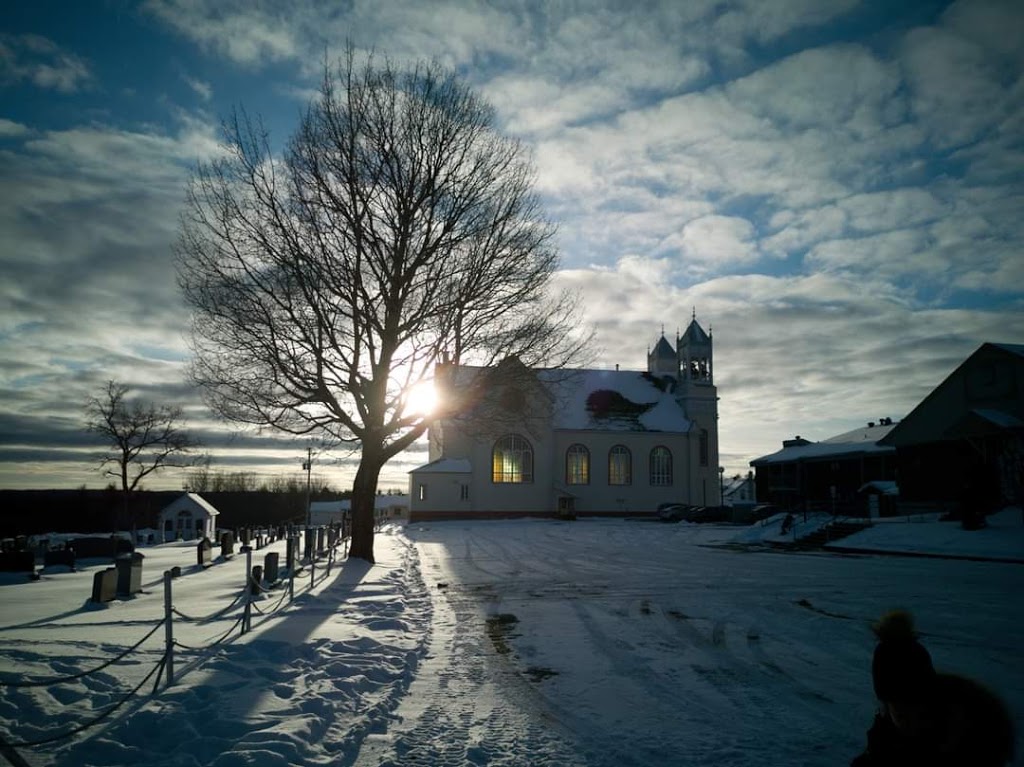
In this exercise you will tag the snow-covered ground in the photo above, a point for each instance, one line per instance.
(596, 642)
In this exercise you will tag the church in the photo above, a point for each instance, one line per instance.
(581, 442)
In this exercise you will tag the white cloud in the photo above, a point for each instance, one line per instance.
(202, 89)
(41, 62)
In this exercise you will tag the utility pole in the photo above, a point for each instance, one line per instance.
(308, 468)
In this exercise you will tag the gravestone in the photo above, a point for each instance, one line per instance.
(104, 585)
(270, 567)
(129, 574)
(17, 561)
(227, 544)
(257, 576)
(319, 540)
(59, 557)
(244, 535)
(290, 553)
(204, 553)
(310, 537)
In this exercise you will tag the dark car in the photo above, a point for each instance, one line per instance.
(673, 512)
(707, 514)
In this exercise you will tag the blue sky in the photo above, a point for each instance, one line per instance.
(837, 187)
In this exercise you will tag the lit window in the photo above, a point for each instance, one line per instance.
(577, 465)
(661, 466)
(703, 447)
(512, 460)
(620, 466)
(423, 492)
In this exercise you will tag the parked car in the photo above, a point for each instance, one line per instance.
(673, 512)
(707, 514)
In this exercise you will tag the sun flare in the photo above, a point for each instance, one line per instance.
(422, 399)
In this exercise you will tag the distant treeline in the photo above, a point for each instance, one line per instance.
(29, 512)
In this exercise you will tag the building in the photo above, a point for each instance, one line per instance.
(739, 490)
(827, 475)
(189, 517)
(539, 442)
(963, 445)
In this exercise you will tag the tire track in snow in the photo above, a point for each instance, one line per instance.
(463, 707)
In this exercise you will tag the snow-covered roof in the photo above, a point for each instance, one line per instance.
(862, 440)
(190, 499)
(445, 466)
(614, 400)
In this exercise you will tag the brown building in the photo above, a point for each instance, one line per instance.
(827, 475)
(963, 445)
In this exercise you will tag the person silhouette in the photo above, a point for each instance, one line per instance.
(927, 717)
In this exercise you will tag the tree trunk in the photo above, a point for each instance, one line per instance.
(364, 492)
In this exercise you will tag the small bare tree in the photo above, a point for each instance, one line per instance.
(142, 438)
(399, 230)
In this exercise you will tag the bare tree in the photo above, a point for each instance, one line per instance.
(397, 231)
(142, 438)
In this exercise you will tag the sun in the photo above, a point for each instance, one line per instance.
(422, 399)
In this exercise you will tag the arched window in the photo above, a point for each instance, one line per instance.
(577, 465)
(512, 460)
(661, 466)
(620, 466)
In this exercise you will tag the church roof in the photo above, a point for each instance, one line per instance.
(614, 400)
(663, 349)
(695, 333)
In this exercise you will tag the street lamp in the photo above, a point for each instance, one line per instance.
(721, 486)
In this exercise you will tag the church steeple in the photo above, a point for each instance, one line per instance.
(694, 348)
(662, 360)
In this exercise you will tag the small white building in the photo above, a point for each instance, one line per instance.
(189, 517)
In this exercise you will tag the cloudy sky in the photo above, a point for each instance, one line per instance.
(836, 187)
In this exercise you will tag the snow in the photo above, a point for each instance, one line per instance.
(513, 642)
(572, 389)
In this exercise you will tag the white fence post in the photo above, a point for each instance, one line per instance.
(168, 628)
(247, 615)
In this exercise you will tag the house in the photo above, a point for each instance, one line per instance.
(827, 475)
(739, 490)
(963, 445)
(550, 442)
(189, 517)
(332, 512)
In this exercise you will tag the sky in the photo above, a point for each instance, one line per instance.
(509, 643)
(835, 187)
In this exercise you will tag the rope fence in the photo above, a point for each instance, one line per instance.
(318, 546)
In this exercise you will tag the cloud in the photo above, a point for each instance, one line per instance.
(42, 63)
(202, 89)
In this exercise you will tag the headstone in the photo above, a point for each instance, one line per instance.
(290, 553)
(204, 553)
(270, 567)
(104, 585)
(319, 540)
(59, 557)
(307, 552)
(243, 536)
(17, 562)
(259, 540)
(227, 544)
(129, 574)
(257, 576)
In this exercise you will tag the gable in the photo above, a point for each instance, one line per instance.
(991, 380)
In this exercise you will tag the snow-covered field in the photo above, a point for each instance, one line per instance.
(608, 642)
